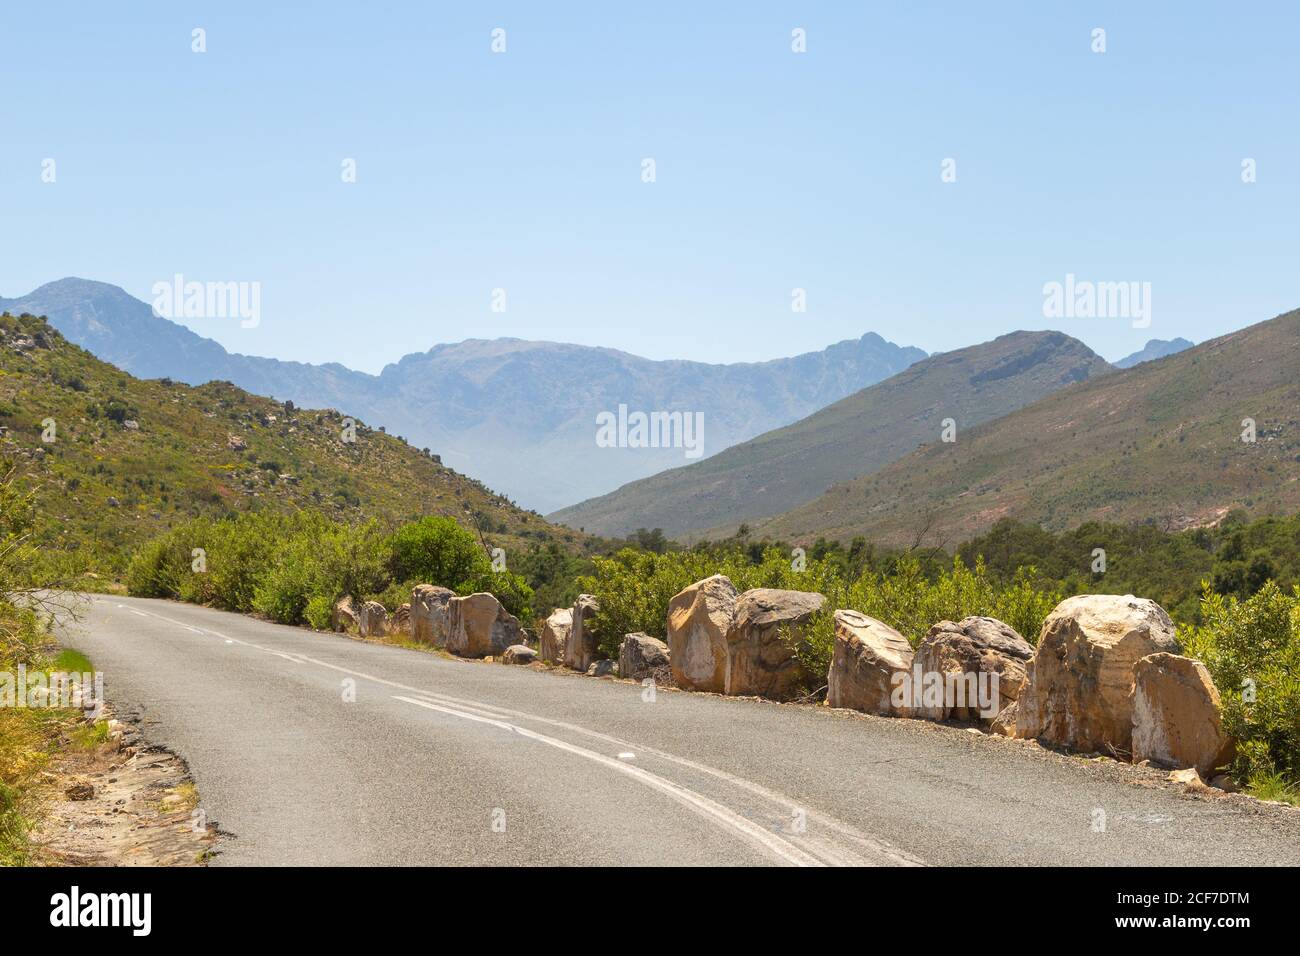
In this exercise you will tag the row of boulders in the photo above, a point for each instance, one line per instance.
(1106, 676)
(475, 625)
(567, 639)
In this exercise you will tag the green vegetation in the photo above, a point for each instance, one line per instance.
(911, 601)
(71, 662)
(435, 550)
(634, 588)
(1236, 556)
(28, 736)
(292, 568)
(1252, 650)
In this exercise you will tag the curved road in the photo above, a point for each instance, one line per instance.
(316, 749)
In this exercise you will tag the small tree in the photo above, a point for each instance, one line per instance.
(436, 550)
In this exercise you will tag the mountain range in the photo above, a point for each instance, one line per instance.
(855, 436)
(520, 416)
(1032, 425)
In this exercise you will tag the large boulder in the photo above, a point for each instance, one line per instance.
(981, 666)
(869, 663)
(555, 634)
(373, 620)
(401, 622)
(429, 613)
(344, 615)
(478, 626)
(699, 618)
(581, 649)
(768, 627)
(1078, 687)
(1176, 719)
(641, 656)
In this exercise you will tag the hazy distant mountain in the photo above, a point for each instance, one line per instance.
(520, 416)
(1156, 348)
(1160, 443)
(857, 435)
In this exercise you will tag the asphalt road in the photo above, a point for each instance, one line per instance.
(317, 749)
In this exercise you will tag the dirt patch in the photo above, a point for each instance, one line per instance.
(111, 799)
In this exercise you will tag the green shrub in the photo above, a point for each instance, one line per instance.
(353, 558)
(318, 612)
(161, 567)
(292, 580)
(239, 557)
(553, 575)
(1252, 650)
(436, 550)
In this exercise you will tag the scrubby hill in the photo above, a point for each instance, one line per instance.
(1160, 442)
(783, 468)
(132, 457)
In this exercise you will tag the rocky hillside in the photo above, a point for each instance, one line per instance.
(130, 457)
(520, 416)
(856, 436)
(1160, 442)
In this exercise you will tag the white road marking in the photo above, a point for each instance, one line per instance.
(687, 797)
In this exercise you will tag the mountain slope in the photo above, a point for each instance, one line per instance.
(132, 457)
(1159, 442)
(1156, 348)
(783, 468)
(520, 416)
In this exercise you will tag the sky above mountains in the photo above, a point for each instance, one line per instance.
(774, 170)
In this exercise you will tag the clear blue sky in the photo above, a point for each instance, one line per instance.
(775, 170)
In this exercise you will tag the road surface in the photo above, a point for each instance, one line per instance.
(317, 749)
